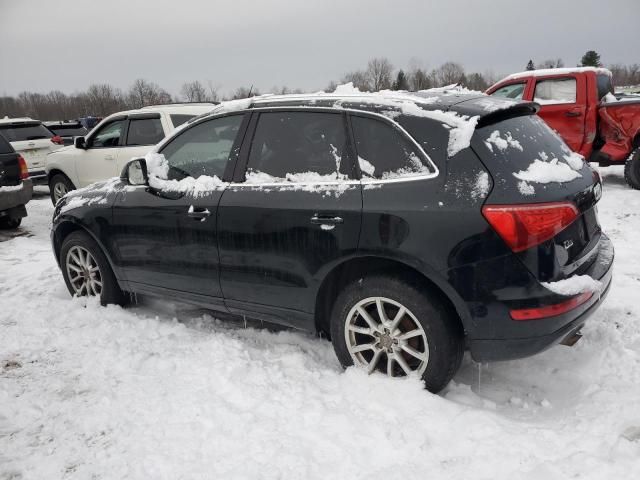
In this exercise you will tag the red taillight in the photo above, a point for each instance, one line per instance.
(550, 310)
(57, 139)
(524, 226)
(24, 171)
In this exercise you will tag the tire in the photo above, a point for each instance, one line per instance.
(81, 254)
(632, 169)
(441, 336)
(58, 186)
(10, 223)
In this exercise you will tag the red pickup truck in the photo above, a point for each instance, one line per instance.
(579, 103)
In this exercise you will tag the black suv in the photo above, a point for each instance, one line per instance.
(399, 227)
(15, 187)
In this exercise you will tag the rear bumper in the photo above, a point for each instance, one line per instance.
(544, 333)
(38, 177)
(14, 198)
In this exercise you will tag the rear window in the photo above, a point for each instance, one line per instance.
(68, 131)
(27, 131)
(605, 85)
(525, 152)
(179, 119)
(5, 147)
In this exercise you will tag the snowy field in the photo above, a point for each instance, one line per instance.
(163, 391)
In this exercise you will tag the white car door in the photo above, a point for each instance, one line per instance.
(99, 160)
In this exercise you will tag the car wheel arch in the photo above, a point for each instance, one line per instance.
(56, 171)
(353, 268)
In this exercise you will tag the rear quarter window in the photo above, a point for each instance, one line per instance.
(179, 119)
(5, 147)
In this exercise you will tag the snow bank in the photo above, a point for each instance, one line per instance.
(546, 172)
(574, 285)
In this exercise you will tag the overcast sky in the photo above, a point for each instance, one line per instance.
(69, 44)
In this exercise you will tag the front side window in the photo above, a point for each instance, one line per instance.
(555, 91)
(384, 152)
(147, 131)
(109, 135)
(513, 91)
(203, 149)
(299, 147)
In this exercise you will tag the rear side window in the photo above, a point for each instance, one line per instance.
(555, 91)
(513, 91)
(5, 147)
(298, 147)
(28, 131)
(203, 149)
(147, 131)
(384, 152)
(179, 119)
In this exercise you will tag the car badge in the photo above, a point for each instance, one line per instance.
(567, 244)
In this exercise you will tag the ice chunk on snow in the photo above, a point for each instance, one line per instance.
(481, 186)
(526, 188)
(575, 160)
(502, 143)
(574, 285)
(547, 172)
(346, 89)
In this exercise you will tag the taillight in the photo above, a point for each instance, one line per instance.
(550, 310)
(57, 139)
(24, 171)
(525, 226)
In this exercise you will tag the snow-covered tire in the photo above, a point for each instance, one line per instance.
(7, 223)
(86, 270)
(426, 327)
(59, 185)
(632, 169)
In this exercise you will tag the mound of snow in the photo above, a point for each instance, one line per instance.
(546, 172)
(574, 285)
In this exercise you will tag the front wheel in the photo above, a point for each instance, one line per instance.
(396, 328)
(86, 270)
(632, 169)
(59, 186)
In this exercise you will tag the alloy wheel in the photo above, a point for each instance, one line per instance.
(59, 190)
(83, 272)
(383, 335)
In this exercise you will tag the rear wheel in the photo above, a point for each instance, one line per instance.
(632, 169)
(59, 186)
(386, 325)
(8, 223)
(86, 270)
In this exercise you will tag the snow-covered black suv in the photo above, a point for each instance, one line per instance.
(405, 227)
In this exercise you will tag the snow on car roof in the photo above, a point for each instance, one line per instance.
(556, 71)
(5, 120)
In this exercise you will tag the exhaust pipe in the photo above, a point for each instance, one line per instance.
(571, 339)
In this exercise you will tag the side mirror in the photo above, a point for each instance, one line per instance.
(135, 172)
(79, 142)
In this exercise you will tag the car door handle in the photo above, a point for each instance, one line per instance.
(326, 220)
(109, 157)
(198, 213)
(572, 114)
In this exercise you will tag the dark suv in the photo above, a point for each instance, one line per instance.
(406, 228)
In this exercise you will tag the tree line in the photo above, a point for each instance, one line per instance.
(379, 74)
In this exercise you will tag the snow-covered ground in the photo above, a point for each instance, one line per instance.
(162, 391)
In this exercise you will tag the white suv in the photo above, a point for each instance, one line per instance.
(112, 143)
(31, 139)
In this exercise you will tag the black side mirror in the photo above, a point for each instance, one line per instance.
(135, 172)
(79, 142)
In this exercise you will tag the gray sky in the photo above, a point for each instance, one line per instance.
(70, 44)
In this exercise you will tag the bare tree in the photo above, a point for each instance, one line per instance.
(245, 92)
(450, 73)
(551, 63)
(212, 92)
(193, 92)
(379, 72)
(418, 79)
(360, 80)
(143, 93)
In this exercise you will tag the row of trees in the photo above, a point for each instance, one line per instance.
(379, 74)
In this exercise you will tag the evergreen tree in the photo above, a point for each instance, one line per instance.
(401, 82)
(530, 65)
(591, 59)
